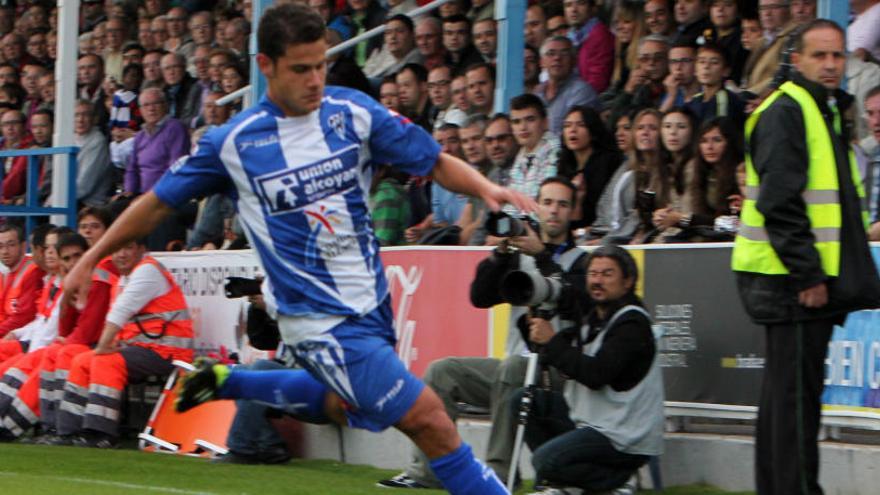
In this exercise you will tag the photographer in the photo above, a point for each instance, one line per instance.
(609, 420)
(489, 382)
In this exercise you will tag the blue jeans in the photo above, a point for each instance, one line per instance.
(251, 433)
(565, 455)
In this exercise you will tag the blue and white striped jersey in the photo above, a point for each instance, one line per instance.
(300, 186)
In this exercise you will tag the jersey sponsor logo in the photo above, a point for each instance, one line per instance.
(258, 143)
(391, 394)
(322, 219)
(292, 189)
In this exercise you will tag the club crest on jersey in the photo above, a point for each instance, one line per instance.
(291, 189)
(337, 123)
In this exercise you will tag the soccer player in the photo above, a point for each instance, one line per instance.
(298, 166)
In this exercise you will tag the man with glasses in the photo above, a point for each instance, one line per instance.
(115, 38)
(593, 41)
(644, 88)
(179, 40)
(22, 282)
(183, 93)
(681, 84)
(159, 30)
(563, 88)
(440, 94)
(201, 28)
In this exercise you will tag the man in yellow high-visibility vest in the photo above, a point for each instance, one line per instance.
(801, 256)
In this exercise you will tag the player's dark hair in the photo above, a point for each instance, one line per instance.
(288, 24)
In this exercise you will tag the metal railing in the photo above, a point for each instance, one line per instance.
(31, 207)
(345, 45)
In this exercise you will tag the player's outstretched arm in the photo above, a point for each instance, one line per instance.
(455, 175)
(138, 220)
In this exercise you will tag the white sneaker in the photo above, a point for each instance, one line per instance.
(559, 491)
(628, 488)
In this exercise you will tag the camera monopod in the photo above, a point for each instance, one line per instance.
(525, 408)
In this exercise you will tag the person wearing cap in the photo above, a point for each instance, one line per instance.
(610, 414)
(398, 50)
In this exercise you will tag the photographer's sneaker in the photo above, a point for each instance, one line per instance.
(200, 386)
(400, 481)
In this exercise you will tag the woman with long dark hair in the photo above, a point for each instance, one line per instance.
(676, 131)
(588, 158)
(714, 191)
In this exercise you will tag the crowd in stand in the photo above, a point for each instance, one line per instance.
(671, 81)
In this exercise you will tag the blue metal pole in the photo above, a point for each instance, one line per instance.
(835, 10)
(258, 82)
(32, 193)
(511, 17)
(71, 190)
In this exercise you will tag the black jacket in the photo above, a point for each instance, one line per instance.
(623, 360)
(779, 152)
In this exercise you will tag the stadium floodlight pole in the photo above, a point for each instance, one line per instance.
(525, 408)
(65, 102)
(511, 17)
(257, 90)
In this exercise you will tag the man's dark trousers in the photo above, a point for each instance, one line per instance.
(790, 411)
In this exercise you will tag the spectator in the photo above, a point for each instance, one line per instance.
(159, 32)
(480, 88)
(481, 10)
(389, 94)
(429, 41)
(485, 39)
(342, 70)
(179, 40)
(93, 184)
(459, 92)
(802, 11)
(36, 49)
(629, 27)
(363, 15)
(714, 100)
(217, 61)
(397, 7)
(536, 25)
(161, 141)
(91, 15)
(41, 130)
(778, 28)
(389, 206)
(51, 48)
(593, 41)
(644, 88)
(21, 282)
(674, 174)
(752, 39)
(681, 84)
(693, 21)
(610, 419)
(233, 78)
(727, 33)
(460, 53)
(440, 94)
(13, 49)
(201, 28)
(539, 148)
(871, 146)
(143, 286)
(616, 216)
(472, 148)
(182, 91)
(89, 75)
(398, 50)
(863, 35)
(132, 53)
(116, 36)
(658, 18)
(92, 222)
(30, 81)
(531, 68)
(588, 158)
(14, 138)
(153, 69)
(455, 7)
(236, 34)
(201, 69)
(325, 8)
(646, 160)
(563, 88)
(8, 74)
(412, 85)
(145, 34)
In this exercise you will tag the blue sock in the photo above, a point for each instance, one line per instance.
(294, 391)
(462, 474)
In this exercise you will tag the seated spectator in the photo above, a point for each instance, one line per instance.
(588, 158)
(94, 183)
(389, 94)
(727, 33)
(92, 222)
(629, 27)
(217, 61)
(440, 94)
(863, 35)
(47, 92)
(41, 130)
(233, 78)
(485, 38)
(389, 206)
(531, 68)
(459, 92)
(201, 28)
(342, 69)
(714, 100)
(752, 39)
(714, 192)
(112, 55)
(593, 41)
(460, 53)
(674, 175)
(30, 82)
(563, 88)
(153, 69)
(236, 34)
(647, 158)
(692, 19)
(536, 25)
(609, 421)
(480, 88)
(36, 49)
(871, 146)
(539, 148)
(412, 86)
(429, 41)
(488, 382)
(124, 353)
(616, 215)
(644, 88)
(21, 282)
(681, 84)
(125, 120)
(398, 50)
(182, 92)
(179, 40)
(659, 18)
(778, 28)
(471, 134)
(14, 138)
(89, 76)
(8, 74)
(13, 50)
(362, 16)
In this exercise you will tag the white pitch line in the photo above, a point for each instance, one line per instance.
(113, 483)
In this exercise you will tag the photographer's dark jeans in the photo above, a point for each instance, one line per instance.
(566, 456)
(251, 434)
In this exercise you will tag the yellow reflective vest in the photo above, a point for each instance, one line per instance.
(752, 251)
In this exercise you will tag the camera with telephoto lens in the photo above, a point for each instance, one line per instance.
(500, 224)
(240, 287)
(530, 288)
